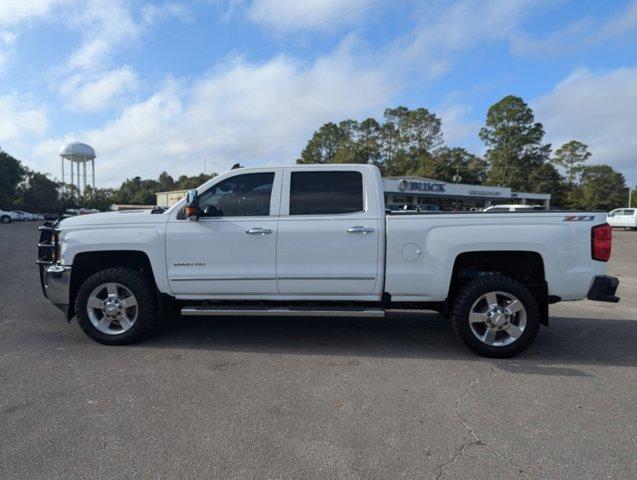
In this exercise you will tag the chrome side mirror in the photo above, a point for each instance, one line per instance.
(192, 206)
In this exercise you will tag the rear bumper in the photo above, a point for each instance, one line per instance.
(56, 280)
(603, 289)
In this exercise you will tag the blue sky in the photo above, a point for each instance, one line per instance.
(176, 85)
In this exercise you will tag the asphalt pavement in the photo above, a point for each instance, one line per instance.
(306, 398)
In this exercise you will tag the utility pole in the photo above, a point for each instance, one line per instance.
(630, 196)
(457, 178)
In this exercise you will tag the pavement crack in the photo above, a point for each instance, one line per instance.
(475, 438)
(456, 455)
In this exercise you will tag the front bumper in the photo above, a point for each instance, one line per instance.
(603, 289)
(56, 281)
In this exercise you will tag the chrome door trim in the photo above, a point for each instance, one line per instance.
(204, 279)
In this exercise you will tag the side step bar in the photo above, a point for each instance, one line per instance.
(246, 311)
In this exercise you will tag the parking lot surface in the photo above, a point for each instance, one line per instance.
(270, 398)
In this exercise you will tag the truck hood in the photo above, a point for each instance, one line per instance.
(123, 217)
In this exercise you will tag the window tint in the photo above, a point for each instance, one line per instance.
(322, 193)
(239, 196)
(629, 211)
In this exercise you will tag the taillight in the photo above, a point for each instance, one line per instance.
(601, 241)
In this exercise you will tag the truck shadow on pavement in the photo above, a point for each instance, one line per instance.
(574, 341)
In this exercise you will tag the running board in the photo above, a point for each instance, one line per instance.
(246, 311)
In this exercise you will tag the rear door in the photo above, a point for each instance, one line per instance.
(329, 233)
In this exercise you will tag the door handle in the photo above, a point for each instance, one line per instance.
(258, 231)
(360, 229)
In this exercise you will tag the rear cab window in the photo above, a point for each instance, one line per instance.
(326, 192)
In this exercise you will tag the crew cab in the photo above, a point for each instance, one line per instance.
(316, 240)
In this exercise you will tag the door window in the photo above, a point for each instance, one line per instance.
(239, 196)
(324, 193)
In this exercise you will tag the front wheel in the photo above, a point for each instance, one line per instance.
(5, 219)
(495, 316)
(117, 306)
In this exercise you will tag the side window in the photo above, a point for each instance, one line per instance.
(630, 212)
(238, 196)
(324, 193)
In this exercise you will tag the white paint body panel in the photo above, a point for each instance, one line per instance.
(313, 257)
(316, 255)
(565, 248)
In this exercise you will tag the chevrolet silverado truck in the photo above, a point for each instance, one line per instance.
(316, 240)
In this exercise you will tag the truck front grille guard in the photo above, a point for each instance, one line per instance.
(49, 245)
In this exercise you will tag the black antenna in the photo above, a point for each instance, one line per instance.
(235, 166)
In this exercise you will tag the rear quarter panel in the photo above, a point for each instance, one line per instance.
(564, 245)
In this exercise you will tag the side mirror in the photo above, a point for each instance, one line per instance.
(192, 206)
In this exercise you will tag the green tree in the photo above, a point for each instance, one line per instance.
(514, 141)
(100, 198)
(571, 157)
(12, 173)
(323, 146)
(166, 182)
(37, 193)
(188, 183)
(403, 143)
(601, 188)
(449, 162)
(547, 179)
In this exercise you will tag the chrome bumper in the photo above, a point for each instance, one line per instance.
(56, 280)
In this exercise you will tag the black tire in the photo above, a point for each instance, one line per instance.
(5, 219)
(471, 292)
(139, 285)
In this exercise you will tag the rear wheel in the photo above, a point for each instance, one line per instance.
(495, 316)
(116, 306)
(5, 219)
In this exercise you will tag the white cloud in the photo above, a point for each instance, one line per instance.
(14, 11)
(599, 109)
(153, 13)
(446, 30)
(458, 130)
(104, 25)
(294, 15)
(96, 93)
(7, 42)
(579, 35)
(621, 23)
(19, 118)
(243, 112)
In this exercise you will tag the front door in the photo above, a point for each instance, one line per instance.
(329, 235)
(231, 250)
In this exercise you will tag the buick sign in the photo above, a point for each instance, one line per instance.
(421, 186)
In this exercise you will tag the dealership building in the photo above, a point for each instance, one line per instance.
(428, 194)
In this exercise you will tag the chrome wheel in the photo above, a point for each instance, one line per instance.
(497, 319)
(112, 308)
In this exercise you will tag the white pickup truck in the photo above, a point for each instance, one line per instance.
(317, 240)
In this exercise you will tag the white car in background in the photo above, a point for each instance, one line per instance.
(623, 218)
(26, 216)
(22, 216)
(8, 217)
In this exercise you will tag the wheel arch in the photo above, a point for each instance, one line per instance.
(524, 266)
(86, 264)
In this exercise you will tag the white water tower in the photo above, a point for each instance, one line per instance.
(78, 154)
